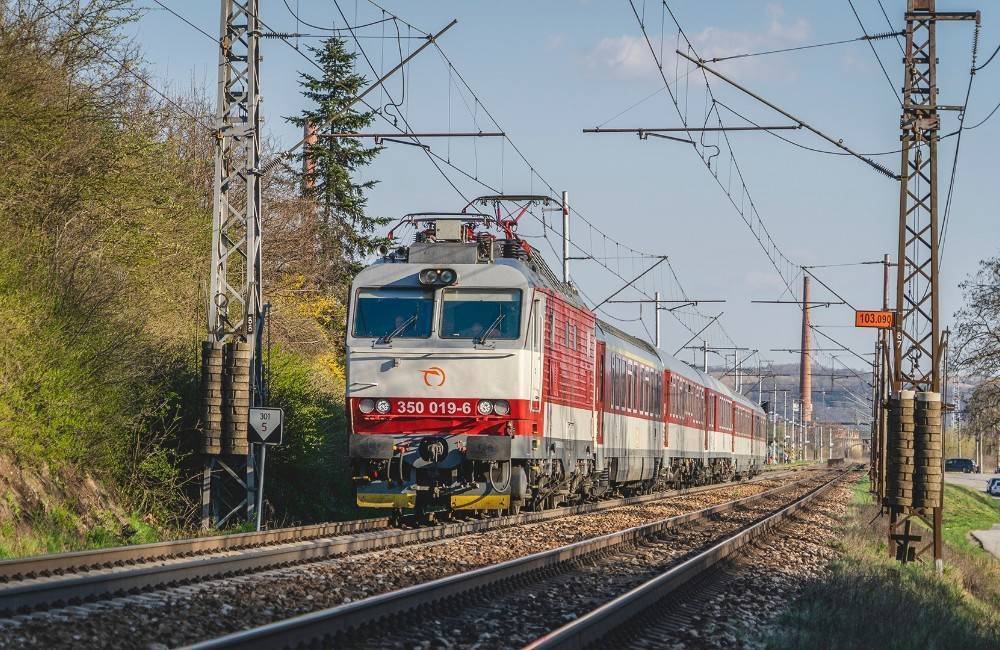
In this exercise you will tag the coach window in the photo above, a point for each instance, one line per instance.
(394, 313)
(481, 314)
(647, 390)
(613, 388)
(644, 384)
(628, 386)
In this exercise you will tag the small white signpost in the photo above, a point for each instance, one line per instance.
(264, 428)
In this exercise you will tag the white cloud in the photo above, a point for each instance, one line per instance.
(796, 31)
(628, 56)
(622, 56)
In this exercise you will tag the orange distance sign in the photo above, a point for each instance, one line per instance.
(879, 319)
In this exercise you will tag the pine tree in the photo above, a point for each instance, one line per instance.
(341, 201)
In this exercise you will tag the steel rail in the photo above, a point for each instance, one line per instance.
(594, 626)
(50, 591)
(323, 625)
(76, 561)
(55, 563)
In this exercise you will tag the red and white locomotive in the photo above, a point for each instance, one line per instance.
(477, 380)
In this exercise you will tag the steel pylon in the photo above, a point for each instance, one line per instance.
(235, 299)
(917, 347)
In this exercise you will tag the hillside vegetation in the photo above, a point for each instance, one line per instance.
(105, 202)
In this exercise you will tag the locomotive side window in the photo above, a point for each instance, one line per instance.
(383, 311)
(481, 313)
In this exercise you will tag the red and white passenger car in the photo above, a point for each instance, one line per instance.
(477, 380)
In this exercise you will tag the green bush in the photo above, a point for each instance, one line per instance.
(307, 478)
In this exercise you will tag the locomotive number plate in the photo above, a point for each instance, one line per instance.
(434, 407)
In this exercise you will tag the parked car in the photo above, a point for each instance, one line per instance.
(959, 465)
(993, 487)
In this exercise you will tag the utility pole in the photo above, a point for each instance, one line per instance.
(565, 243)
(795, 439)
(656, 318)
(784, 421)
(774, 421)
(958, 420)
(658, 307)
(760, 382)
(917, 355)
(880, 394)
(231, 354)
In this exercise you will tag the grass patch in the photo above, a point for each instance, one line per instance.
(967, 510)
(58, 530)
(869, 600)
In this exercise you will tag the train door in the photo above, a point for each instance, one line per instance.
(712, 417)
(537, 346)
(732, 438)
(599, 391)
(704, 416)
(665, 414)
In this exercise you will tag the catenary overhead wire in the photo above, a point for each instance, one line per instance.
(124, 67)
(885, 72)
(298, 17)
(782, 260)
(531, 167)
(435, 159)
(746, 55)
(814, 149)
(985, 119)
(958, 145)
(889, 23)
(183, 19)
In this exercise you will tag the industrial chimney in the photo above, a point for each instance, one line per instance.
(308, 164)
(805, 369)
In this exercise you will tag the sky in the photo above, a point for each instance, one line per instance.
(546, 70)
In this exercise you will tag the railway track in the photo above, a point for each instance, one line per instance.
(631, 616)
(49, 581)
(517, 592)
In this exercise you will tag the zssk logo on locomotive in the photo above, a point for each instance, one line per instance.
(433, 377)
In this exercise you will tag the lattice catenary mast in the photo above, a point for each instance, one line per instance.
(914, 488)
(231, 359)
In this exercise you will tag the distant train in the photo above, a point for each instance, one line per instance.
(479, 381)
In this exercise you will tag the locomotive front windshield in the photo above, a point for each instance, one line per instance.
(401, 313)
(481, 314)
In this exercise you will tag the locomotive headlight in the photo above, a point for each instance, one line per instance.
(366, 405)
(501, 407)
(437, 277)
(485, 407)
(382, 406)
(429, 276)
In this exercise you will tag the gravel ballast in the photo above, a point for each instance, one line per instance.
(183, 615)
